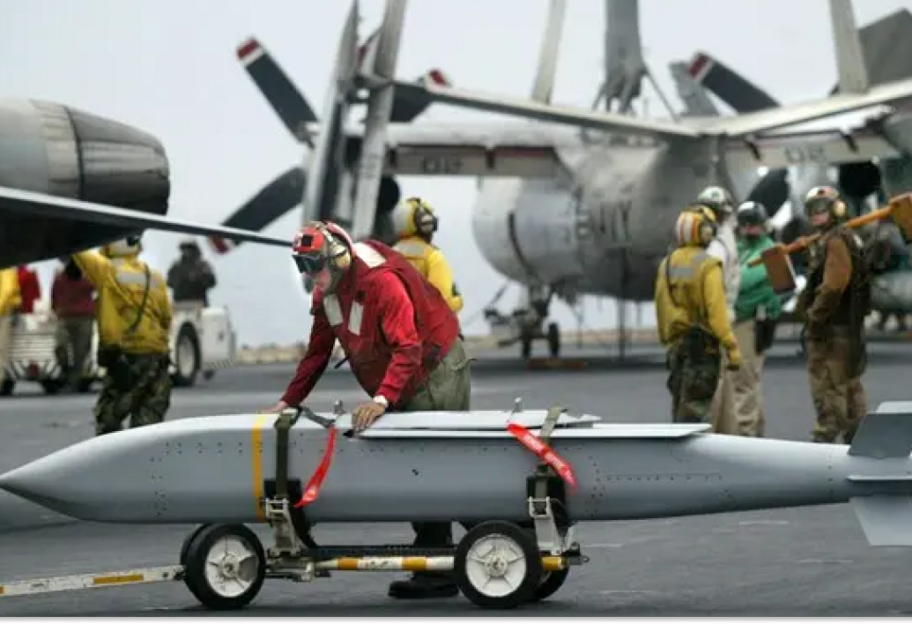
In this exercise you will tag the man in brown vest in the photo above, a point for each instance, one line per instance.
(835, 303)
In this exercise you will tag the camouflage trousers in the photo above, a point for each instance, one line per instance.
(839, 400)
(692, 381)
(448, 388)
(145, 399)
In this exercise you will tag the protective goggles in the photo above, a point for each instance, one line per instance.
(311, 263)
(819, 206)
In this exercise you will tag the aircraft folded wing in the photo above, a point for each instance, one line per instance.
(50, 206)
(538, 111)
(474, 149)
(764, 121)
(815, 147)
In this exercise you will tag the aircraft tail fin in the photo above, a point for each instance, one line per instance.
(850, 62)
(382, 70)
(625, 68)
(696, 99)
(543, 87)
(728, 85)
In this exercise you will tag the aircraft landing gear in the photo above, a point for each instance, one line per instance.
(526, 325)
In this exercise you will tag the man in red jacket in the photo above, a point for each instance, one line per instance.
(72, 299)
(402, 344)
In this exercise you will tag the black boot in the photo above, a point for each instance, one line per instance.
(420, 586)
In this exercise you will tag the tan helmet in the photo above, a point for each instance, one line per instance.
(123, 248)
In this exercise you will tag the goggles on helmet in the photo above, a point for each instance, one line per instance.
(310, 263)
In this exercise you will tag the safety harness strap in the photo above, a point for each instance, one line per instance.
(283, 423)
(543, 470)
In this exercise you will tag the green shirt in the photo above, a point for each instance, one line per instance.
(755, 290)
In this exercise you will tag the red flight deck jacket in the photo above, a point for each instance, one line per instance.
(393, 325)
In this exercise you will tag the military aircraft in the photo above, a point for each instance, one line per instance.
(71, 180)
(572, 201)
(886, 46)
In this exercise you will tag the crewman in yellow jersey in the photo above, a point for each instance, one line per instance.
(415, 223)
(134, 317)
(692, 318)
(10, 300)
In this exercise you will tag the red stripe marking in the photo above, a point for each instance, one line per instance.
(533, 443)
(219, 244)
(247, 48)
(312, 491)
(698, 64)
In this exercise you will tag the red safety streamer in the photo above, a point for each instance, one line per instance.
(316, 481)
(544, 452)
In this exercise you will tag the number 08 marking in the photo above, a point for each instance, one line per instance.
(803, 154)
(441, 165)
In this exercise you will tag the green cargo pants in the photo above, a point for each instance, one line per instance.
(448, 388)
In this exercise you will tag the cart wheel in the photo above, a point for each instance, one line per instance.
(550, 582)
(189, 540)
(497, 565)
(185, 547)
(225, 566)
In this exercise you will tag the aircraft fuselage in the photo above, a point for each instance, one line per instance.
(613, 214)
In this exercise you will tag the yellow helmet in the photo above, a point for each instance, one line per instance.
(696, 226)
(123, 248)
(414, 216)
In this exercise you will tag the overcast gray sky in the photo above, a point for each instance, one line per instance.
(170, 68)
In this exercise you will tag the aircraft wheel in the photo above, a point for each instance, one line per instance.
(549, 584)
(497, 565)
(225, 566)
(525, 346)
(554, 340)
(6, 388)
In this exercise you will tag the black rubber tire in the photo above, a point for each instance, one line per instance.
(7, 387)
(549, 584)
(185, 547)
(526, 588)
(186, 333)
(195, 568)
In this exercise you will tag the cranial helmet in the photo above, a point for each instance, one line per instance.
(320, 245)
(718, 200)
(824, 199)
(124, 248)
(752, 213)
(414, 216)
(696, 226)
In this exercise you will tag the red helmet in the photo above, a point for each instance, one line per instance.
(319, 243)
